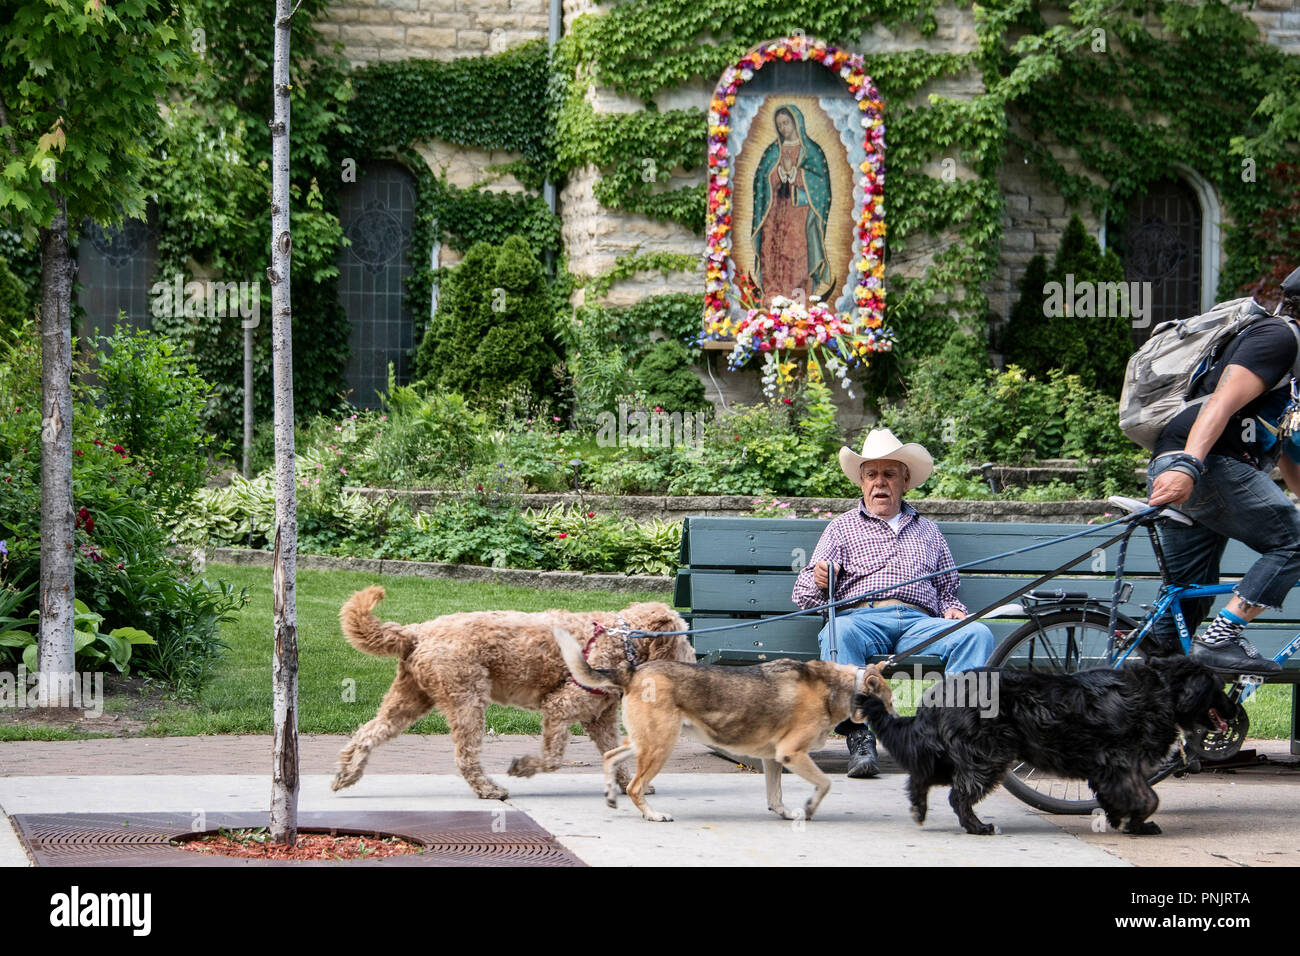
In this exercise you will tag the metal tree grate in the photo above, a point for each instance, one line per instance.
(450, 838)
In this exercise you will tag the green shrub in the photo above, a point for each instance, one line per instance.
(666, 378)
(123, 568)
(152, 401)
(597, 365)
(1011, 417)
(1095, 348)
(494, 326)
(771, 448)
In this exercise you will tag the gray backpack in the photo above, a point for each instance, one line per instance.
(1164, 374)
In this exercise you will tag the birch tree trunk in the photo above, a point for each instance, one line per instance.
(57, 556)
(284, 777)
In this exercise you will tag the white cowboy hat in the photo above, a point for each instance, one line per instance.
(881, 444)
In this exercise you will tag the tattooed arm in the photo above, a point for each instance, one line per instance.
(1237, 386)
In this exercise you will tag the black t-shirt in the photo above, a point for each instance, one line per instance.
(1267, 348)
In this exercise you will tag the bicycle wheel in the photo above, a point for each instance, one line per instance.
(1058, 642)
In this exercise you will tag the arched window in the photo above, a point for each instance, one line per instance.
(115, 268)
(377, 213)
(1169, 236)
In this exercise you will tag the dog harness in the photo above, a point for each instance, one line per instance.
(596, 630)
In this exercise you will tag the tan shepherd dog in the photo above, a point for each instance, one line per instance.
(777, 711)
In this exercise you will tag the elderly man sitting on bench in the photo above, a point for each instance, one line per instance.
(876, 547)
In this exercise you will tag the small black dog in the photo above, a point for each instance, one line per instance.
(1110, 727)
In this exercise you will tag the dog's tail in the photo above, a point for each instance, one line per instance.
(586, 675)
(366, 632)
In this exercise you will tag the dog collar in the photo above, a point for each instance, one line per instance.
(859, 679)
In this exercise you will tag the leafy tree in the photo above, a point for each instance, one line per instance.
(211, 191)
(80, 85)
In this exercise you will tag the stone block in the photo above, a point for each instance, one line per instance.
(1046, 204)
(374, 15)
(413, 18)
(457, 21)
(430, 38)
(1018, 240)
(471, 40)
(374, 35)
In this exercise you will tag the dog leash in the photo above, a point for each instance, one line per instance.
(634, 634)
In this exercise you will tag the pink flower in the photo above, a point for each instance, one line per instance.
(555, 418)
(591, 514)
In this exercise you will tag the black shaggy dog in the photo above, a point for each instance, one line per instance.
(1110, 727)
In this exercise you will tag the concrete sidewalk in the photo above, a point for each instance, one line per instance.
(1247, 818)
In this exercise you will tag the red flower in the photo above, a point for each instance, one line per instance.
(120, 450)
(591, 514)
(77, 451)
(121, 567)
(564, 534)
(98, 443)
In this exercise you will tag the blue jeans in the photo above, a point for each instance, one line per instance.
(866, 632)
(1231, 500)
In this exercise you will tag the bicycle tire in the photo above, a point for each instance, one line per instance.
(1045, 644)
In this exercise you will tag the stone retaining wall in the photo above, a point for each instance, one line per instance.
(674, 508)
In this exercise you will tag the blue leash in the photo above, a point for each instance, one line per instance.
(833, 604)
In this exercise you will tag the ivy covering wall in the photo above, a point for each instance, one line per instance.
(1129, 88)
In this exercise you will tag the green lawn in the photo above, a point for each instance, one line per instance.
(238, 698)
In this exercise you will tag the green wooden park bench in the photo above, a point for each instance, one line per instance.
(743, 569)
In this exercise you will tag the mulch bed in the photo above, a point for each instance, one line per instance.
(252, 844)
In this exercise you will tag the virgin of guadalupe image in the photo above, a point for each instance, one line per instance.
(792, 202)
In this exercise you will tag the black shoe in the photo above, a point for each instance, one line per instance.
(862, 753)
(1237, 656)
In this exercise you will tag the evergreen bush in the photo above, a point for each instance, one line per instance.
(1094, 347)
(494, 328)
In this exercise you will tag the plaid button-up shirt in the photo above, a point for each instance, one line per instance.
(870, 556)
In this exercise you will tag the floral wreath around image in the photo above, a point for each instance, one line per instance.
(835, 341)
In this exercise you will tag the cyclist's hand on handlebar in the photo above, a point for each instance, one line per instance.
(1171, 488)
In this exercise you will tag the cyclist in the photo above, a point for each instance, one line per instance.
(1213, 462)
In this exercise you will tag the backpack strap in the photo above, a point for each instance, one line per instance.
(1295, 366)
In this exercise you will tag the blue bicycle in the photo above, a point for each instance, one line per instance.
(1070, 631)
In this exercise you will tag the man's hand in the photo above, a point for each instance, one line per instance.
(955, 614)
(1171, 488)
(821, 576)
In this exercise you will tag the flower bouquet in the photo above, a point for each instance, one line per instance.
(834, 343)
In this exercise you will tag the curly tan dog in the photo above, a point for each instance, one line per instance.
(461, 662)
